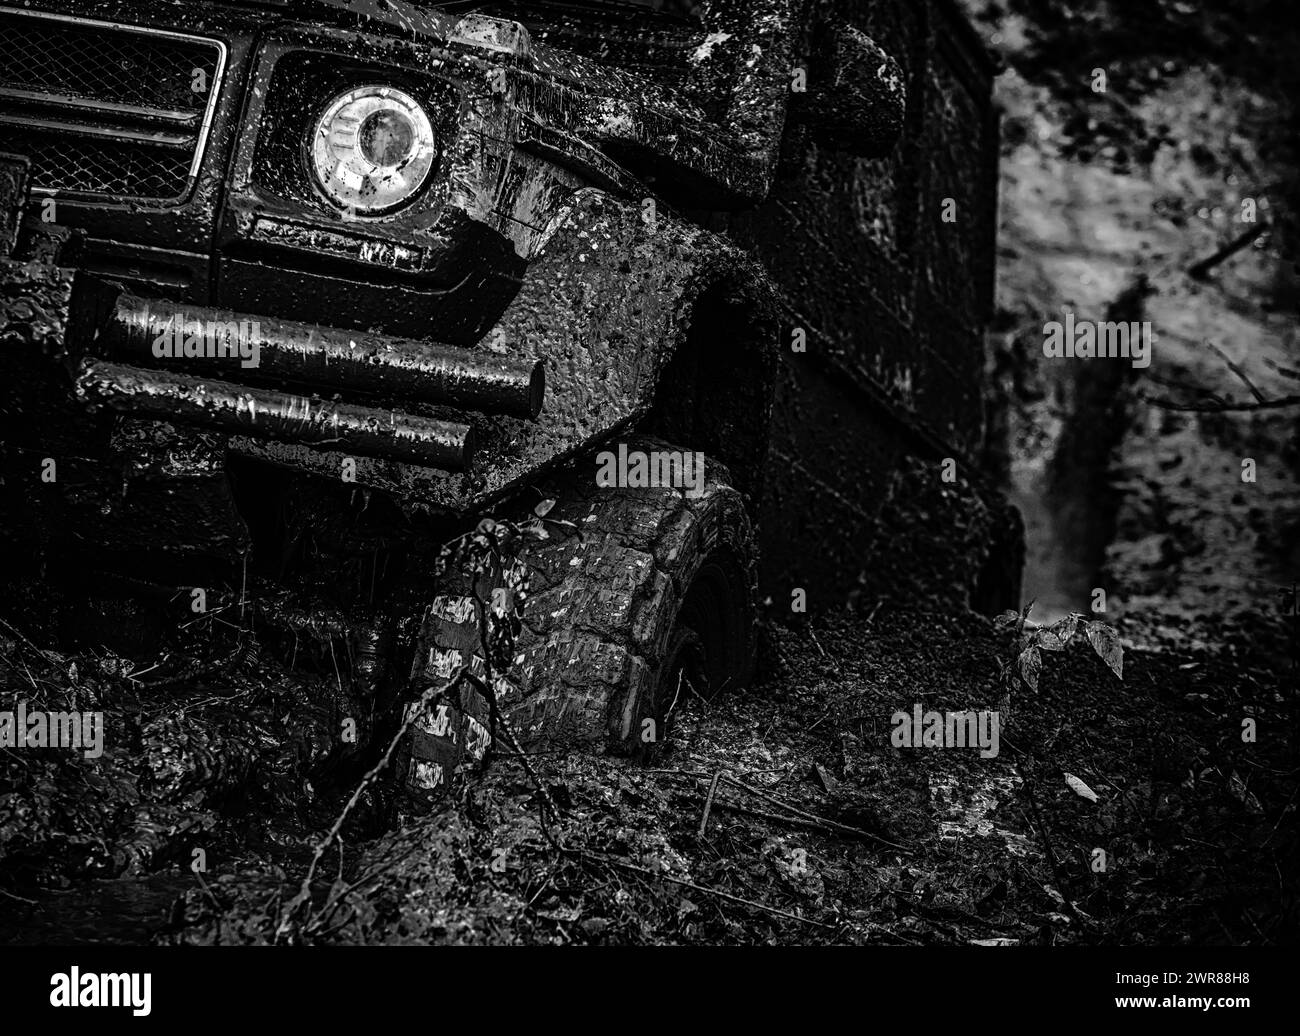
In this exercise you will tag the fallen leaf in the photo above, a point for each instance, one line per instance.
(827, 781)
(1079, 788)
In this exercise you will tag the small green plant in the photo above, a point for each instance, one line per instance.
(1033, 639)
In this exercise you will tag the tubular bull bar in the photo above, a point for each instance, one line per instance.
(313, 386)
(327, 359)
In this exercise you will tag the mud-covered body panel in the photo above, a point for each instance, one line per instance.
(604, 307)
(893, 299)
(651, 208)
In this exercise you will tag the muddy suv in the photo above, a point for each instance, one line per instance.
(295, 291)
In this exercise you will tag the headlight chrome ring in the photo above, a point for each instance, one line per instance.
(373, 149)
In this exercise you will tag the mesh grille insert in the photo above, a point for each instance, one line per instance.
(101, 109)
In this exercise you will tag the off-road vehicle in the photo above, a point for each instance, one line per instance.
(295, 291)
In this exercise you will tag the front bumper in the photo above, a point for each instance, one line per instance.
(114, 408)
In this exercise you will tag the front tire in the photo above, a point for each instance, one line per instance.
(635, 592)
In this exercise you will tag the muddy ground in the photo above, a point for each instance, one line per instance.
(819, 829)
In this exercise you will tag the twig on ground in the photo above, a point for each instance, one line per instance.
(830, 824)
(1240, 371)
(542, 790)
(545, 882)
(1286, 372)
(817, 825)
(708, 802)
(21, 636)
(1222, 408)
(704, 889)
(1218, 405)
(430, 696)
(1057, 873)
(1198, 270)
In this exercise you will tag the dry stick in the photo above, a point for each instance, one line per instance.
(429, 697)
(21, 636)
(352, 913)
(545, 882)
(1281, 817)
(809, 819)
(817, 825)
(824, 717)
(1178, 383)
(542, 790)
(1221, 408)
(681, 675)
(706, 890)
(708, 802)
(548, 803)
(1057, 873)
(191, 671)
(499, 720)
(1200, 269)
(1238, 370)
(332, 904)
(856, 831)
(703, 700)
(1286, 372)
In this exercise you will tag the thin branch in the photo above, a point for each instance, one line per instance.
(805, 815)
(708, 803)
(1238, 370)
(1221, 408)
(430, 697)
(1200, 269)
(706, 890)
(1286, 372)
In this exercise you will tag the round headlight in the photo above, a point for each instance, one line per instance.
(373, 149)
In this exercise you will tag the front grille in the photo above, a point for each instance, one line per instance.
(105, 109)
